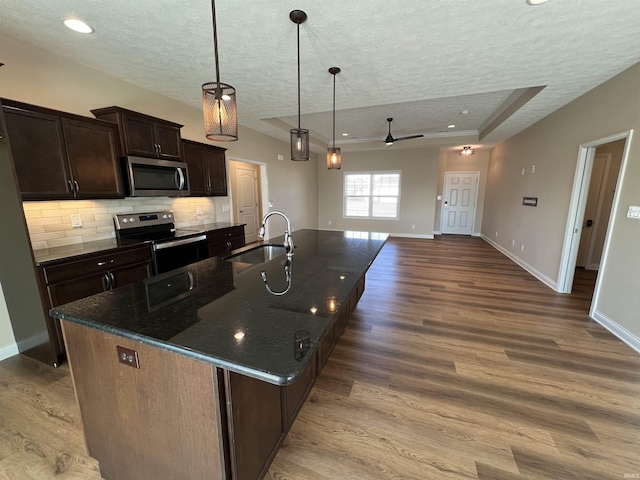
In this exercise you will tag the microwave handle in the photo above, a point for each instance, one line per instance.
(179, 179)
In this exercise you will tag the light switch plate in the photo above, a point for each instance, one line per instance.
(225, 207)
(76, 221)
(633, 212)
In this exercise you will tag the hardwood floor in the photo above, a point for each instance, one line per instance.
(457, 364)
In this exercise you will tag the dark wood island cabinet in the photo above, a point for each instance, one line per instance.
(207, 383)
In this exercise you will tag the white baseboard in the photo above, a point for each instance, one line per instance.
(553, 284)
(33, 341)
(8, 351)
(437, 232)
(622, 333)
(411, 235)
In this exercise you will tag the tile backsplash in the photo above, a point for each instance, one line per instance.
(49, 222)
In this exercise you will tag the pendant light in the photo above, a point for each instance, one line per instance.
(334, 157)
(219, 101)
(299, 136)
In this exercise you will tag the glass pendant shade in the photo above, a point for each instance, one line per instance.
(299, 144)
(220, 112)
(334, 158)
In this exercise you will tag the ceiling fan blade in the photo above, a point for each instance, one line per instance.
(408, 137)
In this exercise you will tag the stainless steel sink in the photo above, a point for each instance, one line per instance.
(260, 254)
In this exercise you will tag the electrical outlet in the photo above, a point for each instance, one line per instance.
(280, 157)
(413, 226)
(523, 171)
(513, 242)
(522, 247)
(533, 169)
(76, 221)
(128, 357)
(496, 234)
(329, 222)
(225, 207)
(633, 212)
(198, 210)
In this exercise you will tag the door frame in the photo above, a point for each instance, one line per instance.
(577, 205)
(588, 264)
(444, 196)
(264, 186)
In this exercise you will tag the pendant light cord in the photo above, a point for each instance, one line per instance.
(298, 76)
(215, 39)
(334, 110)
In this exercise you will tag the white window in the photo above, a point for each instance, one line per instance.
(372, 194)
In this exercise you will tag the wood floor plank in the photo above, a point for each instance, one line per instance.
(456, 364)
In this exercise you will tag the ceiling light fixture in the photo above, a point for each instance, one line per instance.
(219, 101)
(345, 134)
(334, 157)
(78, 25)
(299, 136)
(536, 2)
(466, 151)
(451, 126)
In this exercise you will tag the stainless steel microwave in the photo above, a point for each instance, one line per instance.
(150, 177)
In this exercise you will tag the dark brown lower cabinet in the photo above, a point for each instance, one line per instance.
(223, 240)
(66, 280)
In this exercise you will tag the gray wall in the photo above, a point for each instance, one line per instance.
(418, 191)
(552, 145)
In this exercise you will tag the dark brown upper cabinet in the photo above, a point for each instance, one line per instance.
(59, 155)
(207, 168)
(143, 135)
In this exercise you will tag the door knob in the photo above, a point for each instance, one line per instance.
(589, 223)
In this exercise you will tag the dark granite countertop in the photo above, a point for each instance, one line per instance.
(221, 312)
(46, 255)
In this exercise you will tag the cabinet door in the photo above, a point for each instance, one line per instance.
(255, 424)
(92, 150)
(217, 172)
(168, 139)
(130, 274)
(37, 148)
(193, 155)
(139, 136)
(65, 292)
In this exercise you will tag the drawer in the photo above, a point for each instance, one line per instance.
(95, 264)
(224, 234)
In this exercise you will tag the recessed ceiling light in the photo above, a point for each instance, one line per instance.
(536, 2)
(464, 112)
(345, 134)
(451, 126)
(78, 25)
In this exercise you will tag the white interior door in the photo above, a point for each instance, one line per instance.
(247, 210)
(459, 202)
(592, 209)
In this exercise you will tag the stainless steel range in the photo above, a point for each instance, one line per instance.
(172, 247)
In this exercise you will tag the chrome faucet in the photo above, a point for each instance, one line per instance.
(288, 239)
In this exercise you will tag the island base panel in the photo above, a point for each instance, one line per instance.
(157, 421)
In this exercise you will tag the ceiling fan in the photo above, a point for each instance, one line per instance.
(389, 140)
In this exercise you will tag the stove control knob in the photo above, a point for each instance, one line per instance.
(170, 215)
(131, 219)
(125, 220)
(164, 216)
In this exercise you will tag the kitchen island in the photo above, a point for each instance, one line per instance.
(200, 372)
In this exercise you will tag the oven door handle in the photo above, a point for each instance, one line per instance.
(182, 241)
(179, 179)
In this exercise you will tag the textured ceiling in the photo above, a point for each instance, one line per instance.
(421, 62)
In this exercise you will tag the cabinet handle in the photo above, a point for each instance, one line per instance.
(102, 264)
(113, 280)
(107, 282)
(70, 186)
(179, 179)
(75, 182)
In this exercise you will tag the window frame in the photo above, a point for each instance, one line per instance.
(370, 196)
